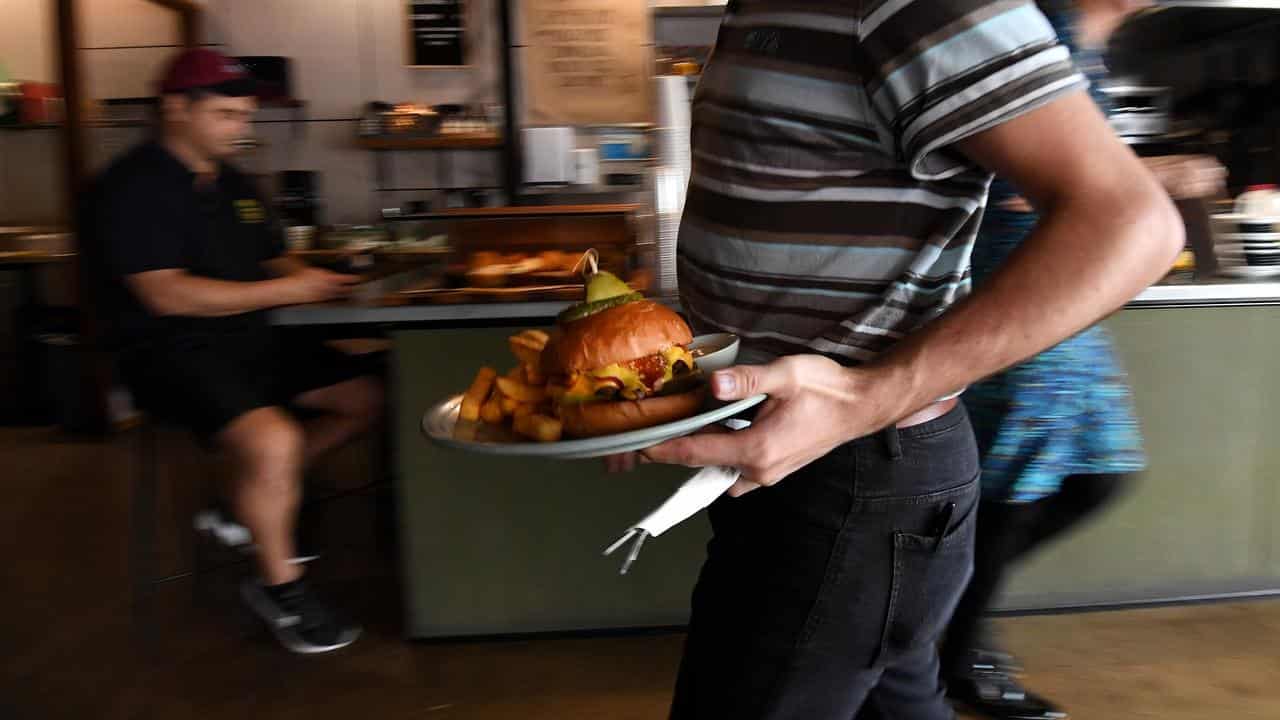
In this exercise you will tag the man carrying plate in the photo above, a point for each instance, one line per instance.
(842, 155)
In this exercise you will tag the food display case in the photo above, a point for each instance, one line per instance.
(518, 254)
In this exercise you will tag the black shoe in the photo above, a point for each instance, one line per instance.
(994, 660)
(986, 689)
(299, 620)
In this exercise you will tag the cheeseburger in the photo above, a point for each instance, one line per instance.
(621, 364)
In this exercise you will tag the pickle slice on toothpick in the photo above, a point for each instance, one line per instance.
(604, 290)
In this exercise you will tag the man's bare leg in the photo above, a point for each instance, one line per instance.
(268, 448)
(350, 408)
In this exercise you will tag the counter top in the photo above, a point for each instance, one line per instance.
(1174, 293)
(1209, 293)
(350, 314)
(34, 257)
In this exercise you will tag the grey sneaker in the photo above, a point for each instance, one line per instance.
(298, 619)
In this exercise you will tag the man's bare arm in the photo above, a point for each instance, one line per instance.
(284, 266)
(1106, 232)
(177, 292)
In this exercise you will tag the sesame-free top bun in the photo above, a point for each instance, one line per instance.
(617, 335)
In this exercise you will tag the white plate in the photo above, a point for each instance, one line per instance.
(711, 352)
(1241, 252)
(1244, 218)
(1249, 237)
(1235, 252)
(440, 424)
(1252, 272)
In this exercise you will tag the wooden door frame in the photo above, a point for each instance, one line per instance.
(96, 376)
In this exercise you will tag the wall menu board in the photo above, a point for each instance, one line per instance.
(587, 61)
(436, 33)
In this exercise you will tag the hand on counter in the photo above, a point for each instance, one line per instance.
(1182, 176)
(313, 285)
(1189, 176)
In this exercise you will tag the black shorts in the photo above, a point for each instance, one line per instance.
(205, 384)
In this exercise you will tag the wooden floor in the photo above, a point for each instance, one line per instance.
(75, 647)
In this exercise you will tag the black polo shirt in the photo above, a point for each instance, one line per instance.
(149, 212)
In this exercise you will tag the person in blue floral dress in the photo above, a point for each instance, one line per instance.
(1057, 434)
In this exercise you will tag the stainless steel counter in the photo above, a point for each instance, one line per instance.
(1209, 293)
(462, 313)
(1177, 293)
(414, 314)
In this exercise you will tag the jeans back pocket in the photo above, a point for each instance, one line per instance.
(929, 575)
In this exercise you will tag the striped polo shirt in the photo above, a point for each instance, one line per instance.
(828, 210)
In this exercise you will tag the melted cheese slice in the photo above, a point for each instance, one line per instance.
(583, 387)
(674, 354)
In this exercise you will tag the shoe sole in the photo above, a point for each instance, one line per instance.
(975, 710)
(297, 645)
(254, 598)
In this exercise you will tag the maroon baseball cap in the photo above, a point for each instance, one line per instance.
(205, 69)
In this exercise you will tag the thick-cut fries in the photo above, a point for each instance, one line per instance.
(531, 394)
(539, 427)
(533, 374)
(527, 346)
(522, 411)
(465, 431)
(521, 394)
(476, 394)
(491, 411)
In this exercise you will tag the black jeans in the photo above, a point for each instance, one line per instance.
(1006, 533)
(825, 595)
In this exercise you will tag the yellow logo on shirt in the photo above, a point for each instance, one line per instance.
(250, 211)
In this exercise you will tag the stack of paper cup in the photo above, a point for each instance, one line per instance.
(1247, 242)
(672, 175)
(673, 121)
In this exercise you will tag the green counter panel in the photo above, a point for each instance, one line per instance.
(1200, 520)
(509, 546)
(499, 545)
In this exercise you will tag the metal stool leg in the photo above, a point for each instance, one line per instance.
(384, 493)
(142, 554)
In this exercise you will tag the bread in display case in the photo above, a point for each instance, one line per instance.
(515, 254)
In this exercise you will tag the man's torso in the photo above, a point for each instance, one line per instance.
(804, 228)
(218, 228)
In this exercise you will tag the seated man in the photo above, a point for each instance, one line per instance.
(193, 263)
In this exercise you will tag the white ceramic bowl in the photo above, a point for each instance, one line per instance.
(1236, 223)
(716, 351)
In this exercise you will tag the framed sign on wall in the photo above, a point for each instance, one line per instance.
(587, 61)
(437, 33)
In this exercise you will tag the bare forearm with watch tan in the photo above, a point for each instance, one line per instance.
(284, 266)
(1107, 231)
(176, 292)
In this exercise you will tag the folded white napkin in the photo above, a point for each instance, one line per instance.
(695, 494)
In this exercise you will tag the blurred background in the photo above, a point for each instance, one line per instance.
(460, 156)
